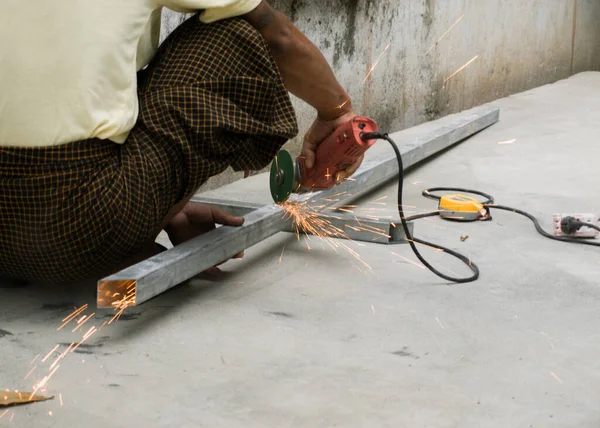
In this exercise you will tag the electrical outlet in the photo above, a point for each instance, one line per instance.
(584, 232)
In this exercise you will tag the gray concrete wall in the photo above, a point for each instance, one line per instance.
(520, 44)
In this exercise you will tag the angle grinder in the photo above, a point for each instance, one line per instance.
(335, 154)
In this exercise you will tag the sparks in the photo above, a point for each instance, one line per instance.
(128, 300)
(69, 348)
(43, 382)
(60, 399)
(508, 141)
(426, 245)
(449, 270)
(30, 371)
(118, 315)
(86, 336)
(34, 360)
(73, 315)
(307, 220)
(371, 229)
(409, 261)
(434, 224)
(460, 69)
(91, 331)
(373, 217)
(60, 357)
(3, 414)
(281, 257)
(83, 321)
(556, 377)
(50, 353)
(445, 33)
(338, 107)
(440, 323)
(375, 64)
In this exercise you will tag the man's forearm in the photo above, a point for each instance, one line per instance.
(305, 70)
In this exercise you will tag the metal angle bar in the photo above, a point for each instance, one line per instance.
(170, 268)
(236, 208)
(363, 229)
(341, 225)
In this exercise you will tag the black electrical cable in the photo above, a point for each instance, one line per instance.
(428, 193)
(488, 203)
(418, 216)
(411, 239)
(584, 224)
(570, 225)
(542, 231)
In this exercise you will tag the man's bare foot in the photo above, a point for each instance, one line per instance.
(196, 219)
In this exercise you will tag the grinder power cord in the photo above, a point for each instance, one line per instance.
(352, 140)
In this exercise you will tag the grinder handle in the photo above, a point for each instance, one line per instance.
(336, 153)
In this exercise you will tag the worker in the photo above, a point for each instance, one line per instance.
(105, 135)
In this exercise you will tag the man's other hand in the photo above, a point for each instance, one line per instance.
(196, 219)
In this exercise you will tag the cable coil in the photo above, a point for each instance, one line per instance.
(488, 203)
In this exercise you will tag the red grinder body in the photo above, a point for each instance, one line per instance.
(339, 151)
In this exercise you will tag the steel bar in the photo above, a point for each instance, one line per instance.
(236, 208)
(170, 268)
(165, 270)
(354, 227)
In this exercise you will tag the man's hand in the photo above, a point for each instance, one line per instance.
(317, 133)
(196, 219)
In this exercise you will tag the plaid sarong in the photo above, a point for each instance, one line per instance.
(211, 98)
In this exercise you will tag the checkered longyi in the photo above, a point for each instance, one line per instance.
(211, 98)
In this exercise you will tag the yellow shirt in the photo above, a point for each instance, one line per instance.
(68, 67)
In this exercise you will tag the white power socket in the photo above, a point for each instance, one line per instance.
(584, 232)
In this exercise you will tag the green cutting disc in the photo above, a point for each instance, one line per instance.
(282, 176)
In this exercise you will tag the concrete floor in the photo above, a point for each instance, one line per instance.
(315, 339)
